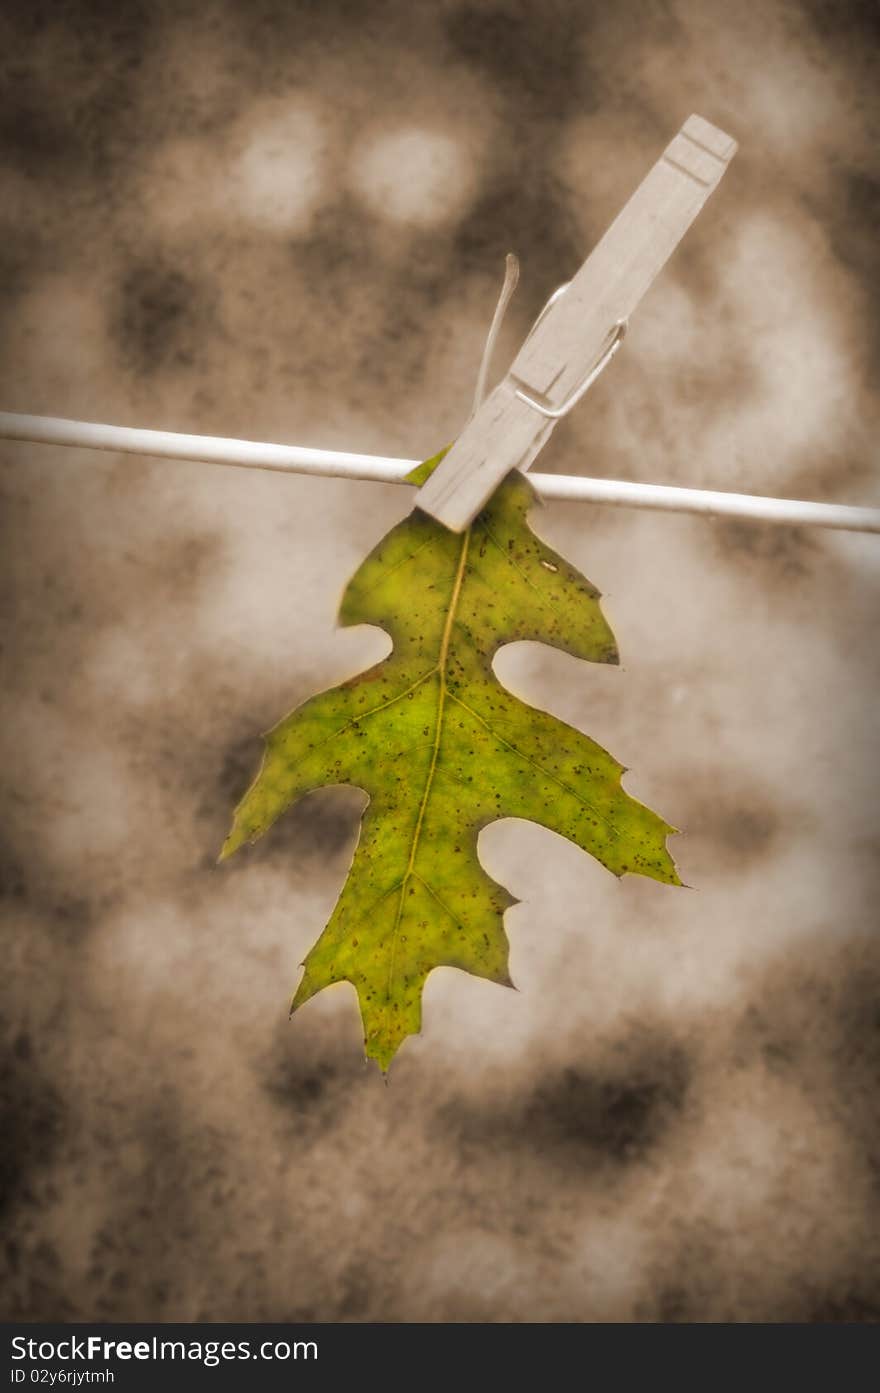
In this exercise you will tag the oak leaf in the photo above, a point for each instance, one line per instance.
(442, 749)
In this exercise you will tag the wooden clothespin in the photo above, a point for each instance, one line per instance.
(580, 328)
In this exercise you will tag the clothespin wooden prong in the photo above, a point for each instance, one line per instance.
(580, 328)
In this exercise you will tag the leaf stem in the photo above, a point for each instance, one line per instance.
(511, 278)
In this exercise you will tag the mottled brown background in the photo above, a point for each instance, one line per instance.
(287, 221)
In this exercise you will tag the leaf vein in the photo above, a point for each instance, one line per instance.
(389, 570)
(540, 768)
(433, 893)
(516, 566)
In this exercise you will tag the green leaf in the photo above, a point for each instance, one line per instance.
(442, 749)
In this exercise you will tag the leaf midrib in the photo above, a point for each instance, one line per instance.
(442, 660)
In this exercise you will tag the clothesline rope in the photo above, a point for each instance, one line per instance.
(296, 459)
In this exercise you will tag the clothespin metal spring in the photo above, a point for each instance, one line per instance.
(615, 339)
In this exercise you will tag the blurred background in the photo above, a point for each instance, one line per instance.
(288, 221)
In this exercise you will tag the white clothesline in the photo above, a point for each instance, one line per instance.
(295, 459)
